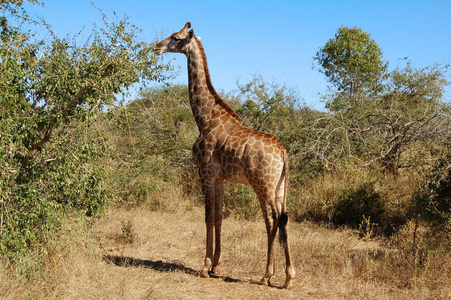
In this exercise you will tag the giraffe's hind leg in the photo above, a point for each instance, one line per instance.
(271, 230)
(289, 271)
(271, 222)
(219, 192)
(283, 233)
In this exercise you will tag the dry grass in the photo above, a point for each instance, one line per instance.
(137, 253)
(376, 202)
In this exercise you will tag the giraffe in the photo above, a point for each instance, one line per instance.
(227, 150)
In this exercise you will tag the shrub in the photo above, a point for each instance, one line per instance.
(358, 203)
(433, 204)
(240, 201)
(51, 91)
(355, 198)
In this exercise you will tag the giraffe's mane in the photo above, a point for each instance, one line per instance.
(212, 90)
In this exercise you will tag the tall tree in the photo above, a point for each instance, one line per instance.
(266, 106)
(352, 63)
(378, 115)
(51, 89)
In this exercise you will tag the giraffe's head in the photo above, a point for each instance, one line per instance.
(177, 42)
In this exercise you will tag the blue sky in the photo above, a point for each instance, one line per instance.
(275, 39)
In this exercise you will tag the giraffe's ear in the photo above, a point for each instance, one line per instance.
(191, 33)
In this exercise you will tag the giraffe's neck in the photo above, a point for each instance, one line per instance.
(204, 100)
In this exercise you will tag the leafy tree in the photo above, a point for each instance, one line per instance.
(266, 106)
(152, 138)
(377, 116)
(433, 204)
(51, 90)
(405, 119)
(352, 63)
(409, 116)
(163, 117)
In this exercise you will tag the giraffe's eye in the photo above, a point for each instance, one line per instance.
(176, 38)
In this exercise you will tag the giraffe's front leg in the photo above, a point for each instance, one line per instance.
(209, 254)
(209, 192)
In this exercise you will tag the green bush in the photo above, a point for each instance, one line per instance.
(433, 204)
(35, 206)
(151, 140)
(358, 203)
(51, 92)
(241, 201)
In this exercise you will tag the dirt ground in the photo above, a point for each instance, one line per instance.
(165, 252)
(143, 254)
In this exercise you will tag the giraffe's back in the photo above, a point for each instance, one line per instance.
(250, 157)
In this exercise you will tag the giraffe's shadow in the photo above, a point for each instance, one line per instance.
(160, 266)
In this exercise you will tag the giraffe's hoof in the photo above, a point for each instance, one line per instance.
(215, 271)
(265, 281)
(288, 285)
(204, 273)
(290, 275)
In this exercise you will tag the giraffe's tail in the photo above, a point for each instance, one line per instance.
(283, 218)
(283, 221)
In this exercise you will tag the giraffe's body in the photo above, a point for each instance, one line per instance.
(227, 150)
